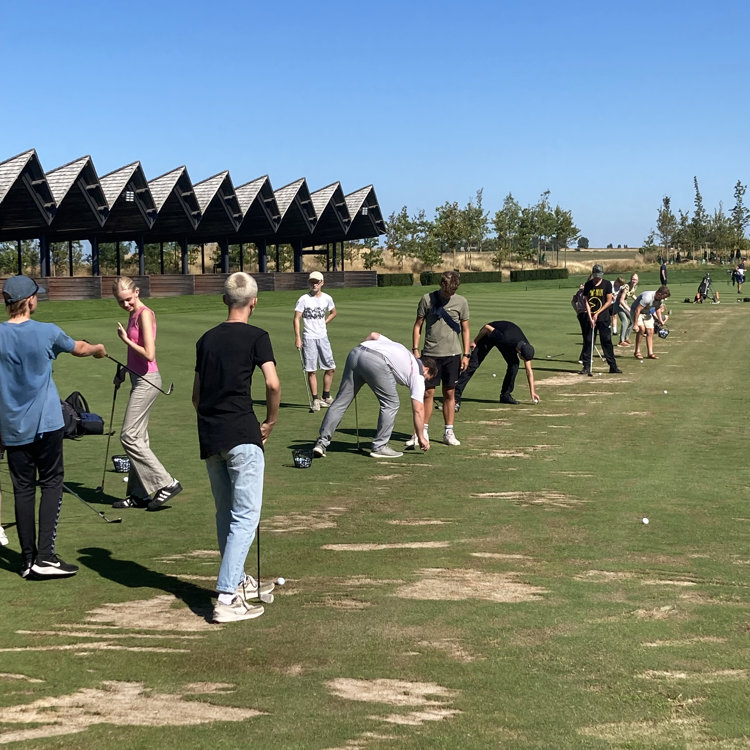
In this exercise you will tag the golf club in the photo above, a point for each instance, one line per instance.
(591, 353)
(307, 382)
(356, 422)
(599, 353)
(554, 356)
(118, 380)
(169, 390)
(266, 598)
(99, 513)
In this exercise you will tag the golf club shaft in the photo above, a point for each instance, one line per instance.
(257, 542)
(99, 513)
(109, 431)
(142, 377)
(356, 419)
(307, 381)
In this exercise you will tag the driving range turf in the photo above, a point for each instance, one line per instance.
(501, 594)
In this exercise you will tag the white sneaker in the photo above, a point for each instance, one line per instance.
(386, 452)
(239, 609)
(325, 402)
(315, 405)
(3, 537)
(450, 439)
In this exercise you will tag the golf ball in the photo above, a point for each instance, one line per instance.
(666, 391)
(280, 581)
(644, 521)
(536, 400)
(494, 374)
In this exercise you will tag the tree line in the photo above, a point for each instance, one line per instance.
(716, 236)
(526, 233)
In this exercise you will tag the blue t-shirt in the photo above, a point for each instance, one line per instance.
(29, 402)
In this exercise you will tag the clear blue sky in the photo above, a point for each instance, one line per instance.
(610, 106)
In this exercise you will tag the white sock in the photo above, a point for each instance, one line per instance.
(424, 429)
(449, 428)
(226, 598)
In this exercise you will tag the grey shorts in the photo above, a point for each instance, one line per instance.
(317, 353)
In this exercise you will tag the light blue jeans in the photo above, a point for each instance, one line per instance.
(236, 478)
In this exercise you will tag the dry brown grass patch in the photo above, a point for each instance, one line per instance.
(541, 498)
(457, 585)
(313, 520)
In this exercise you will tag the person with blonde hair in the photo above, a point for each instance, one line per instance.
(232, 440)
(150, 485)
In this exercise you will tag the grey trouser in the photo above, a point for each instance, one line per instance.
(364, 366)
(146, 472)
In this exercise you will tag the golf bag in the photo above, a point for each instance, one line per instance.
(78, 419)
(661, 331)
(703, 289)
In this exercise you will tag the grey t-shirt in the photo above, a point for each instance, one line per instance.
(440, 339)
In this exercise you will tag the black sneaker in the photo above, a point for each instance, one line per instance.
(52, 567)
(614, 370)
(506, 398)
(132, 502)
(164, 494)
(25, 571)
(584, 371)
(457, 407)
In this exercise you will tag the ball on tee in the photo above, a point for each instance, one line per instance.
(644, 521)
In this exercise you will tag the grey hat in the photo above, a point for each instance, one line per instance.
(18, 288)
(597, 271)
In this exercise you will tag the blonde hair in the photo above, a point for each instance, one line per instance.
(239, 289)
(122, 284)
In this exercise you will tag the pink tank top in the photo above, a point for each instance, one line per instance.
(136, 362)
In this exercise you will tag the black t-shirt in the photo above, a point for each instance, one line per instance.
(597, 297)
(506, 336)
(226, 357)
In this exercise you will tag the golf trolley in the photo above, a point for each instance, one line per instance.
(706, 292)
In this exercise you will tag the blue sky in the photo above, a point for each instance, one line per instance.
(609, 106)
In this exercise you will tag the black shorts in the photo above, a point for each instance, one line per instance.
(448, 370)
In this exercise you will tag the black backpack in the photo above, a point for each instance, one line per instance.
(86, 422)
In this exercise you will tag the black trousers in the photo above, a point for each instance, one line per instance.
(605, 337)
(43, 457)
(481, 350)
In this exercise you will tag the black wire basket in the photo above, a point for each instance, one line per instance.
(122, 464)
(302, 458)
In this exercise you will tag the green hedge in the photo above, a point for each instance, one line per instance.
(539, 274)
(432, 278)
(395, 279)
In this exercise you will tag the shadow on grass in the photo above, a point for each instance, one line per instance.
(134, 575)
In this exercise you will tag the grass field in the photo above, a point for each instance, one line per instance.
(503, 594)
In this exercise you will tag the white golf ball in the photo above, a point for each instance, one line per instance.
(536, 400)
(280, 581)
(494, 374)
(666, 391)
(644, 521)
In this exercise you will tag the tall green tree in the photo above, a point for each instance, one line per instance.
(528, 235)
(740, 217)
(544, 221)
(666, 224)
(476, 222)
(506, 222)
(449, 229)
(398, 229)
(699, 222)
(565, 230)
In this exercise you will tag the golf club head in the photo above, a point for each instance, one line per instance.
(267, 598)
(170, 389)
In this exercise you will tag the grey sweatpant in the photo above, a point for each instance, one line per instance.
(364, 366)
(146, 472)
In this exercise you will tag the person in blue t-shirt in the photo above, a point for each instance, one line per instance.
(31, 423)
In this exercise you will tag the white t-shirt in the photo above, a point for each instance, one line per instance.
(314, 311)
(402, 364)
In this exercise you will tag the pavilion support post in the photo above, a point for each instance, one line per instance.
(203, 257)
(161, 258)
(297, 250)
(19, 258)
(70, 258)
(224, 248)
(141, 257)
(118, 258)
(95, 269)
(184, 256)
(262, 246)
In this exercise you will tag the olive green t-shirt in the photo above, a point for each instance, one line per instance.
(440, 340)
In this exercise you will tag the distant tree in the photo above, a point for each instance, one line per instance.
(543, 222)
(527, 234)
(699, 222)
(398, 229)
(29, 257)
(449, 228)
(505, 223)
(721, 233)
(666, 223)
(649, 246)
(583, 243)
(565, 230)
(740, 216)
(60, 260)
(476, 221)
(609, 246)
